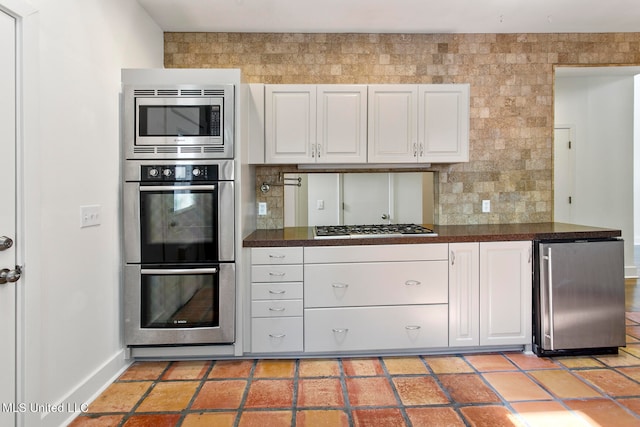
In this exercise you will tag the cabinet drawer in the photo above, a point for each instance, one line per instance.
(376, 253)
(375, 328)
(276, 256)
(366, 284)
(276, 273)
(276, 291)
(281, 308)
(278, 334)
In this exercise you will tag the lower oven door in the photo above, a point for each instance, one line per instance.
(179, 305)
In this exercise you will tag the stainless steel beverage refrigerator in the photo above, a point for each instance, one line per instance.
(579, 297)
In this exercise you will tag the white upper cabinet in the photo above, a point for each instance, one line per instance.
(290, 123)
(393, 113)
(316, 124)
(419, 123)
(443, 123)
(344, 124)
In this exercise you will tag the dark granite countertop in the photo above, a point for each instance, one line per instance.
(303, 236)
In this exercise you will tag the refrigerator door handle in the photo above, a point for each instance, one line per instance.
(549, 298)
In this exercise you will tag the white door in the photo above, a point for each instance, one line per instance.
(564, 160)
(7, 218)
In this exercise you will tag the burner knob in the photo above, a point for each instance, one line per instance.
(196, 172)
(153, 172)
(167, 172)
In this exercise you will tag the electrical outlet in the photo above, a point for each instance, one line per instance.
(90, 216)
(262, 208)
(319, 205)
(486, 206)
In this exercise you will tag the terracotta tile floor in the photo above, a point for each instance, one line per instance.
(498, 389)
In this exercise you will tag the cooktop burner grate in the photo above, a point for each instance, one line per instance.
(371, 230)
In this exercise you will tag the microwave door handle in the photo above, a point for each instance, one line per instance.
(169, 271)
(177, 187)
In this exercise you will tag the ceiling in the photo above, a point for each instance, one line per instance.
(396, 16)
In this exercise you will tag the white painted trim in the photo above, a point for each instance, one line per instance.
(26, 108)
(84, 393)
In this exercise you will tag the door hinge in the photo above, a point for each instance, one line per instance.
(570, 199)
(569, 145)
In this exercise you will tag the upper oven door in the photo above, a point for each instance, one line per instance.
(179, 223)
(178, 121)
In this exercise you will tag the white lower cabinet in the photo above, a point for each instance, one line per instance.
(276, 300)
(505, 293)
(490, 294)
(371, 298)
(276, 334)
(375, 328)
(334, 299)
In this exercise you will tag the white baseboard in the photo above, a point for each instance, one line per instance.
(77, 400)
(630, 272)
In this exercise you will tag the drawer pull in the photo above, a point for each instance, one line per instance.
(277, 273)
(278, 292)
(412, 327)
(340, 285)
(276, 256)
(276, 308)
(277, 335)
(413, 282)
(340, 330)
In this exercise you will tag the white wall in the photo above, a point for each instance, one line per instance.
(601, 107)
(71, 309)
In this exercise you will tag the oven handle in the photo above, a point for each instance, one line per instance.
(167, 271)
(177, 187)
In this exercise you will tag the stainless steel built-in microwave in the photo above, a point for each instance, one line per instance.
(178, 121)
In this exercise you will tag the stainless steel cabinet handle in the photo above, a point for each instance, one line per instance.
(276, 256)
(413, 282)
(421, 149)
(453, 257)
(5, 243)
(319, 147)
(168, 271)
(412, 327)
(276, 308)
(550, 298)
(177, 187)
(278, 292)
(340, 330)
(277, 273)
(340, 285)
(277, 335)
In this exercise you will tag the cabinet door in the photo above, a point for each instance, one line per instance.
(443, 123)
(505, 293)
(393, 112)
(290, 123)
(464, 294)
(342, 124)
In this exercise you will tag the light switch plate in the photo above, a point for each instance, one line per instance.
(90, 215)
(262, 208)
(486, 206)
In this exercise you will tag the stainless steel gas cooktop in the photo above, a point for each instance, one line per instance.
(372, 230)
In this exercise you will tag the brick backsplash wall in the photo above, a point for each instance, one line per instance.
(511, 78)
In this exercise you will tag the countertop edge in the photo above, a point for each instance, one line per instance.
(303, 236)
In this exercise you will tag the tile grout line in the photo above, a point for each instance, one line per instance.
(396, 393)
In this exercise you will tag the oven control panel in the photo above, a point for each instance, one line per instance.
(151, 173)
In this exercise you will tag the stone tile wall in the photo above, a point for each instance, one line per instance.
(511, 77)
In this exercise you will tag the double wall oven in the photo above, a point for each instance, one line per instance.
(178, 218)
